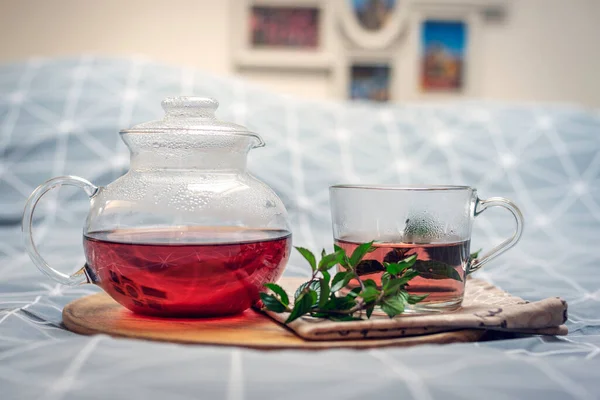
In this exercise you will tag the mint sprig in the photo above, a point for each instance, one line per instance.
(321, 295)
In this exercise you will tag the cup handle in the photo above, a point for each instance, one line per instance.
(78, 277)
(481, 206)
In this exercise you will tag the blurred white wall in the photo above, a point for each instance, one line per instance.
(190, 32)
(545, 50)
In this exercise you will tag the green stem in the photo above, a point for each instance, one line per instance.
(358, 307)
(311, 280)
(360, 282)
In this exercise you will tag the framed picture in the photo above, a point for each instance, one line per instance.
(284, 27)
(443, 51)
(282, 33)
(370, 82)
(366, 75)
(373, 24)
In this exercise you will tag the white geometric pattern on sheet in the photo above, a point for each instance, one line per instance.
(61, 117)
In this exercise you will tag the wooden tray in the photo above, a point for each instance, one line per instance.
(99, 313)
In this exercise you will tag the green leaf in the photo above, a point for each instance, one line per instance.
(393, 306)
(404, 294)
(370, 309)
(272, 303)
(408, 276)
(385, 278)
(339, 303)
(323, 253)
(343, 303)
(302, 306)
(369, 294)
(414, 299)
(393, 285)
(395, 255)
(279, 291)
(309, 256)
(396, 268)
(330, 260)
(366, 267)
(360, 252)
(475, 254)
(326, 276)
(436, 270)
(370, 283)
(354, 292)
(344, 261)
(314, 285)
(324, 293)
(340, 280)
(410, 260)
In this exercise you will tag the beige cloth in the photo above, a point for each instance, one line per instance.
(484, 307)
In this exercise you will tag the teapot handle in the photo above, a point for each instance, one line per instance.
(78, 277)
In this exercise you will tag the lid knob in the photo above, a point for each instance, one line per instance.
(188, 106)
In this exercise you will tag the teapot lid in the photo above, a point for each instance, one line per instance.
(192, 114)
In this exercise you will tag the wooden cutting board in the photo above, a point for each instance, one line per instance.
(100, 314)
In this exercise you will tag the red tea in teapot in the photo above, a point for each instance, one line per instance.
(184, 271)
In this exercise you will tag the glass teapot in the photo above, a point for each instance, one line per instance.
(187, 231)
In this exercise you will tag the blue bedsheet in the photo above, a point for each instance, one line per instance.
(60, 117)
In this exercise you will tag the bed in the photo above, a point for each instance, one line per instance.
(62, 116)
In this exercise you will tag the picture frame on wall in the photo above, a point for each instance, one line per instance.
(445, 48)
(444, 45)
(366, 76)
(370, 82)
(283, 33)
(373, 24)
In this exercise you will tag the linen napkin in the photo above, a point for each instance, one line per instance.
(484, 307)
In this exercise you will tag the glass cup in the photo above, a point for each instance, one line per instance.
(433, 222)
